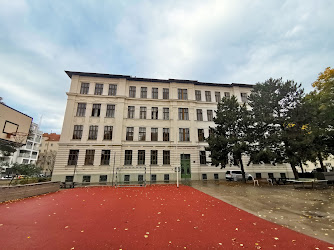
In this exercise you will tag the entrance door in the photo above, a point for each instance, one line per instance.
(185, 166)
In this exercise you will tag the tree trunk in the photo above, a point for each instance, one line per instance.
(242, 170)
(323, 167)
(294, 170)
(301, 166)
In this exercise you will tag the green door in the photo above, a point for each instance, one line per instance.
(185, 166)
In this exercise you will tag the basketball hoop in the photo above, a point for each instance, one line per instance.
(18, 137)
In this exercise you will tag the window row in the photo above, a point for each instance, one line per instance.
(184, 134)
(96, 110)
(112, 91)
(105, 157)
(93, 132)
(183, 113)
(182, 93)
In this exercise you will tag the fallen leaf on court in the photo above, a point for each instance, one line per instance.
(82, 231)
(275, 238)
(220, 243)
(28, 237)
(146, 236)
(241, 245)
(66, 227)
(236, 229)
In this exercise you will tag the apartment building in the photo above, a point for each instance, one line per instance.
(47, 152)
(118, 121)
(28, 153)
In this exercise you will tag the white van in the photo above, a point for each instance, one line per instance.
(236, 175)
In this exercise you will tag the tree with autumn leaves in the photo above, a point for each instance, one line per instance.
(281, 126)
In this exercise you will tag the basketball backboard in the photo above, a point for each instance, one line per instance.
(13, 122)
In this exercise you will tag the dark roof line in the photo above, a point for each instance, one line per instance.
(127, 77)
(16, 110)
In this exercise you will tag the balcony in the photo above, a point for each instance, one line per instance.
(25, 155)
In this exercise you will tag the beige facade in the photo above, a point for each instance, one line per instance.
(88, 114)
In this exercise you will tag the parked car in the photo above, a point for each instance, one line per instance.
(6, 178)
(234, 175)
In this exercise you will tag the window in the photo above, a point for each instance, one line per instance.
(208, 96)
(107, 133)
(69, 178)
(154, 134)
(199, 115)
(258, 175)
(112, 89)
(141, 157)
(216, 176)
(143, 92)
(165, 93)
(92, 135)
(183, 114)
(200, 134)
(282, 175)
(131, 112)
(165, 134)
(153, 177)
(142, 113)
(210, 115)
(89, 157)
(166, 113)
(204, 177)
(77, 132)
(73, 157)
(81, 111)
(198, 95)
(140, 178)
(182, 94)
(142, 134)
(166, 177)
(110, 110)
(154, 93)
(154, 157)
(103, 178)
(128, 157)
(98, 89)
(96, 110)
(227, 95)
(154, 113)
(105, 157)
(211, 132)
(244, 97)
(166, 157)
(127, 178)
(202, 157)
(217, 96)
(184, 134)
(271, 175)
(86, 178)
(132, 91)
(129, 133)
(84, 88)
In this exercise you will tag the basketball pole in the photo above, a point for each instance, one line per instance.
(113, 171)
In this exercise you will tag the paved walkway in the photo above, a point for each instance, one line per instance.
(304, 210)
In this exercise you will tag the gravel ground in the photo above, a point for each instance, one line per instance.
(308, 211)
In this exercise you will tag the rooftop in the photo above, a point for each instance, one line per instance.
(130, 78)
(52, 136)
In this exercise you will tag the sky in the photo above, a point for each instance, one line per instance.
(239, 41)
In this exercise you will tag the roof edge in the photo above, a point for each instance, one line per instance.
(127, 77)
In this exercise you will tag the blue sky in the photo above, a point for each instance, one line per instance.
(244, 41)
